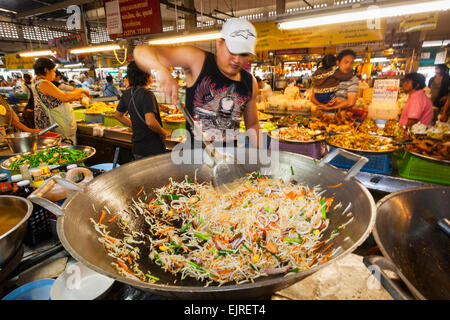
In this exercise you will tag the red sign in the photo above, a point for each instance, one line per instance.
(139, 17)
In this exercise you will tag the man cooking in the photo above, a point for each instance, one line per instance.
(218, 89)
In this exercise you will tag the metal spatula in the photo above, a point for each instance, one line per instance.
(226, 171)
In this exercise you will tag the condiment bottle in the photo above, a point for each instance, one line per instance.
(37, 178)
(5, 186)
(14, 180)
(45, 171)
(26, 175)
(24, 188)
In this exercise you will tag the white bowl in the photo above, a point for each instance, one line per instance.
(78, 282)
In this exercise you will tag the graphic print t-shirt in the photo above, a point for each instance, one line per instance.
(217, 103)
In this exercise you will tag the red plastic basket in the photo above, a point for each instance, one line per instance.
(51, 135)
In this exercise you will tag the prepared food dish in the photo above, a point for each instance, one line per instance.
(363, 142)
(339, 122)
(52, 156)
(393, 128)
(264, 227)
(101, 107)
(174, 118)
(431, 148)
(368, 126)
(297, 134)
(292, 119)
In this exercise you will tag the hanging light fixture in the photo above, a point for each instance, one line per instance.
(359, 14)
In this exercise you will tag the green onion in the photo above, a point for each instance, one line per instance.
(249, 250)
(232, 229)
(171, 196)
(190, 180)
(151, 277)
(198, 267)
(315, 161)
(185, 227)
(324, 209)
(159, 203)
(292, 170)
(273, 254)
(296, 270)
(253, 267)
(202, 236)
(293, 240)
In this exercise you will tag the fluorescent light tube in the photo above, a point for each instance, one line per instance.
(184, 39)
(406, 8)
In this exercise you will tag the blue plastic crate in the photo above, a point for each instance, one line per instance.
(378, 163)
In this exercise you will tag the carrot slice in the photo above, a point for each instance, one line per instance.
(336, 186)
(113, 218)
(102, 217)
(142, 189)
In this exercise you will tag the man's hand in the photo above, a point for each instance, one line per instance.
(169, 85)
(167, 134)
(322, 107)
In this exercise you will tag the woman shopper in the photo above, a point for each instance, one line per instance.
(51, 104)
(140, 103)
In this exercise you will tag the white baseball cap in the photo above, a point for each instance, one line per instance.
(240, 36)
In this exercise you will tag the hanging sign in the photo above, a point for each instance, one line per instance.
(138, 17)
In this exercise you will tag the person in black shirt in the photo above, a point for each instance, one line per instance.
(141, 105)
(219, 91)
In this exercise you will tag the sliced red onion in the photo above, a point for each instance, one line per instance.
(176, 204)
(236, 243)
(303, 227)
(316, 221)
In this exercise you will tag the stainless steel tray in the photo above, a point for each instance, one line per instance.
(90, 151)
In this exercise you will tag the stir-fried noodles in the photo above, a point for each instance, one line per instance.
(266, 226)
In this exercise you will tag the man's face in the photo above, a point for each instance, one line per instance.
(230, 64)
(407, 86)
(346, 64)
(437, 70)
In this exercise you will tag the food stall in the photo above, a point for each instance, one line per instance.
(318, 222)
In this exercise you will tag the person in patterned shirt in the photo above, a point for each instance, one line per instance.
(347, 92)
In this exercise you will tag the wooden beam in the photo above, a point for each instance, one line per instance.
(52, 8)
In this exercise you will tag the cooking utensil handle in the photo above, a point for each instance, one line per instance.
(444, 225)
(209, 147)
(378, 265)
(360, 161)
(38, 196)
(48, 129)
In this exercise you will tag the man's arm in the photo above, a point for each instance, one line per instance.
(161, 58)
(153, 124)
(122, 119)
(19, 125)
(251, 118)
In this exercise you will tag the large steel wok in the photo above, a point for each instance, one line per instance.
(412, 232)
(116, 188)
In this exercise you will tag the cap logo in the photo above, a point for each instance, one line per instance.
(242, 33)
